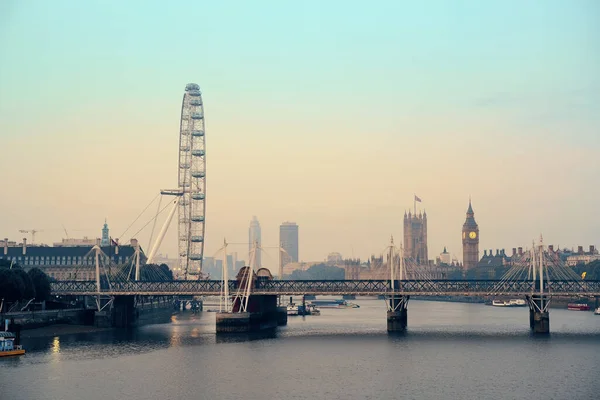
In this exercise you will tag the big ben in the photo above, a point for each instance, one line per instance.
(470, 240)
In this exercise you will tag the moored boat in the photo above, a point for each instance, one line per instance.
(597, 311)
(292, 309)
(8, 346)
(578, 307)
(499, 303)
(334, 303)
(517, 303)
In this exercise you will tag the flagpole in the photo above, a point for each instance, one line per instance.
(415, 203)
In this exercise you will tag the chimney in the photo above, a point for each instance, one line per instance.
(98, 242)
(514, 251)
(5, 246)
(551, 248)
(497, 253)
(592, 249)
(520, 251)
(24, 246)
(502, 253)
(117, 246)
(485, 253)
(134, 242)
(579, 249)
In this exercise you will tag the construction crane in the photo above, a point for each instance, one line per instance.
(32, 231)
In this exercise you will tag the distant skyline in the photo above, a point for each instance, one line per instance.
(330, 114)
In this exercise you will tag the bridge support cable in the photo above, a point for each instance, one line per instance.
(163, 231)
(154, 223)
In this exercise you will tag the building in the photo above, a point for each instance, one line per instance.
(67, 262)
(470, 240)
(334, 258)
(445, 257)
(493, 266)
(72, 242)
(105, 236)
(415, 237)
(254, 236)
(288, 238)
(582, 257)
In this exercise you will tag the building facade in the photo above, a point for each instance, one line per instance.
(288, 239)
(470, 240)
(254, 236)
(66, 262)
(415, 237)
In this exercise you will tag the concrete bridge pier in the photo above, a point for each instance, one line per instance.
(261, 313)
(539, 316)
(397, 314)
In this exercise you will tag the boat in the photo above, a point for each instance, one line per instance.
(334, 303)
(292, 309)
(313, 310)
(8, 346)
(597, 311)
(517, 303)
(578, 307)
(510, 303)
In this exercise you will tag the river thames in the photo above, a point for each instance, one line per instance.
(450, 351)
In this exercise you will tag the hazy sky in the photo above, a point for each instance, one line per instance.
(329, 114)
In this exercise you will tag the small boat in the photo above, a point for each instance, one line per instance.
(313, 310)
(8, 346)
(597, 311)
(499, 303)
(292, 309)
(517, 303)
(578, 307)
(334, 303)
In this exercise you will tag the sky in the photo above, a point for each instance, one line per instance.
(330, 114)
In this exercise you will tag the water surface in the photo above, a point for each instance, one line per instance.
(450, 351)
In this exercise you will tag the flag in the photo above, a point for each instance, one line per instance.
(417, 198)
(583, 275)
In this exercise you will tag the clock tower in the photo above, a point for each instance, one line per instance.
(470, 240)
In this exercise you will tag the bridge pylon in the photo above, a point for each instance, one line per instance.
(397, 304)
(539, 300)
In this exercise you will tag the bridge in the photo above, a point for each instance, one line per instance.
(250, 301)
(332, 287)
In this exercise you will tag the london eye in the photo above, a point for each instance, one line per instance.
(191, 183)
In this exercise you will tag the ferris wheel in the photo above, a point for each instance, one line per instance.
(191, 182)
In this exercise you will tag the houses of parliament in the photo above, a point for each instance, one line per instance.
(415, 238)
(416, 250)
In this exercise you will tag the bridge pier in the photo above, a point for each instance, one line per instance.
(262, 313)
(539, 316)
(397, 314)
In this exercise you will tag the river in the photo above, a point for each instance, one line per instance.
(450, 351)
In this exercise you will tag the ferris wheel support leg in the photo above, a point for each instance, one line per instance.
(163, 232)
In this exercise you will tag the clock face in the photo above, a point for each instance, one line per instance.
(472, 235)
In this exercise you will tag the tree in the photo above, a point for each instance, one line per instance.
(319, 272)
(28, 286)
(12, 286)
(41, 283)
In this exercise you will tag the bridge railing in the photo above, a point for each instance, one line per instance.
(359, 287)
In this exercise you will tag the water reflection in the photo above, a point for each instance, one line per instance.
(245, 337)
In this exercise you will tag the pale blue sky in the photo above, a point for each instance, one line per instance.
(318, 112)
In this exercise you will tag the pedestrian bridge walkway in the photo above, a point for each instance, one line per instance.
(334, 287)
